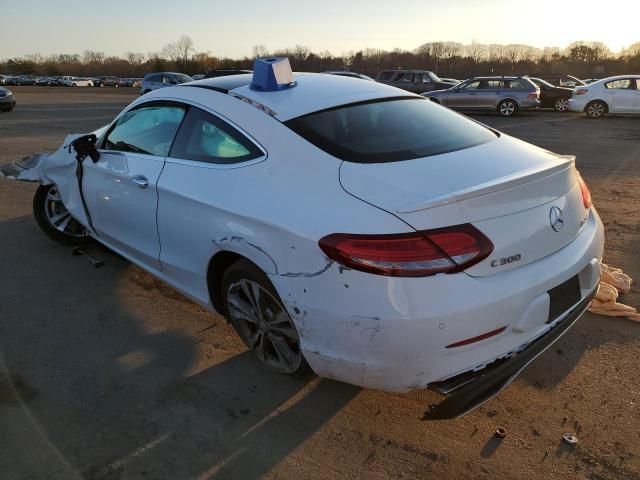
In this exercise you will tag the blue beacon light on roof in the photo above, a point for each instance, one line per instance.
(272, 75)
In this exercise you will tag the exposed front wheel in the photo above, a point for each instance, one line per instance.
(506, 108)
(561, 104)
(596, 109)
(54, 219)
(256, 312)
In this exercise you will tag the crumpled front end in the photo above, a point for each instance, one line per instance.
(59, 168)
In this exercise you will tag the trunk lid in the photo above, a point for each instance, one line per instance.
(511, 191)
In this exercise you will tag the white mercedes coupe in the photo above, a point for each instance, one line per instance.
(347, 226)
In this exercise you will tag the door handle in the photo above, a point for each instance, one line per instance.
(140, 181)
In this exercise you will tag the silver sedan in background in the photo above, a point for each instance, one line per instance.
(504, 95)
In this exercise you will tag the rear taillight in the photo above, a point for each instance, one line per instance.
(580, 91)
(586, 194)
(534, 95)
(418, 254)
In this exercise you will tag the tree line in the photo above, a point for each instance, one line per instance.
(447, 59)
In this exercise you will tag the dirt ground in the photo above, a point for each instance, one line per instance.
(108, 374)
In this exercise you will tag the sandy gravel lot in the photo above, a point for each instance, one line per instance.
(109, 374)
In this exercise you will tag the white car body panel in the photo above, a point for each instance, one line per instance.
(618, 100)
(370, 330)
(122, 213)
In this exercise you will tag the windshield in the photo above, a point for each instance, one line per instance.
(389, 130)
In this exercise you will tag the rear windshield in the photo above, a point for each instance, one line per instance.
(389, 130)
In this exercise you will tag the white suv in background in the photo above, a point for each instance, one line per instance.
(76, 82)
(619, 94)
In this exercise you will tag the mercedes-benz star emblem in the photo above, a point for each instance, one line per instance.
(556, 219)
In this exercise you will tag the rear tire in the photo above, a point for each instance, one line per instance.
(561, 104)
(253, 307)
(54, 219)
(596, 109)
(507, 108)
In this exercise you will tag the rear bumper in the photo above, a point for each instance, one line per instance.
(529, 104)
(469, 390)
(578, 104)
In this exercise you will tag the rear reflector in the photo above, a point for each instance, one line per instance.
(416, 254)
(471, 340)
(586, 194)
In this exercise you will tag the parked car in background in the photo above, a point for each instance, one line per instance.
(43, 81)
(107, 82)
(619, 94)
(552, 96)
(3, 79)
(198, 76)
(587, 81)
(77, 82)
(132, 82)
(154, 81)
(416, 81)
(561, 80)
(26, 80)
(504, 95)
(453, 81)
(343, 73)
(225, 72)
(7, 102)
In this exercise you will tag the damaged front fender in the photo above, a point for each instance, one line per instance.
(57, 168)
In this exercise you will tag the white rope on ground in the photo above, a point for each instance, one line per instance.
(613, 282)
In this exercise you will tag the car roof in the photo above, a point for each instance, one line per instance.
(498, 77)
(313, 92)
(617, 77)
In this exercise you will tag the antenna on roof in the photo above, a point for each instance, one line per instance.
(272, 75)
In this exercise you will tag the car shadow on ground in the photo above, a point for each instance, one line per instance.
(89, 385)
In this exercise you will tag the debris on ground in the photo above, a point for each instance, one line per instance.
(570, 438)
(613, 282)
(500, 432)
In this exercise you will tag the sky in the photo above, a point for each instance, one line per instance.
(231, 28)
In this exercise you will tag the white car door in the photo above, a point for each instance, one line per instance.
(620, 95)
(120, 189)
(200, 183)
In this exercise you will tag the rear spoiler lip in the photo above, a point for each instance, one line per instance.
(564, 162)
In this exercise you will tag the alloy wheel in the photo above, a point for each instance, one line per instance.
(595, 110)
(59, 217)
(264, 325)
(507, 108)
(562, 104)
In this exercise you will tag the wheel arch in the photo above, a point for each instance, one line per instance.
(604, 102)
(218, 265)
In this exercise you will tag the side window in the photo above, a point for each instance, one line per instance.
(490, 84)
(386, 76)
(406, 77)
(148, 129)
(516, 84)
(169, 80)
(471, 85)
(623, 84)
(206, 138)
